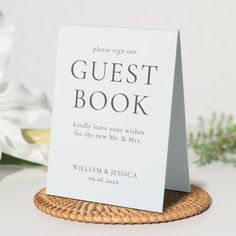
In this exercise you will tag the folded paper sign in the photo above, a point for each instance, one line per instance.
(118, 125)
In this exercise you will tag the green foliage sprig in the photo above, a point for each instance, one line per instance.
(215, 140)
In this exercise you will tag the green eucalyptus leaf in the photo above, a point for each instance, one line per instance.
(10, 160)
(215, 140)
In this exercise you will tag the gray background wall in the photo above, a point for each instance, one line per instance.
(208, 33)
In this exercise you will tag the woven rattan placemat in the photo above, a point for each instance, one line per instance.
(177, 205)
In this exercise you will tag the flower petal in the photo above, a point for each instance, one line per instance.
(6, 38)
(13, 143)
(21, 105)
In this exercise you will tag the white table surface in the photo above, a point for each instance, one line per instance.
(18, 216)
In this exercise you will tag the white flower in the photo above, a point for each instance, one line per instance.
(18, 106)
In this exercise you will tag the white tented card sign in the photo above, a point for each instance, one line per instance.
(118, 125)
